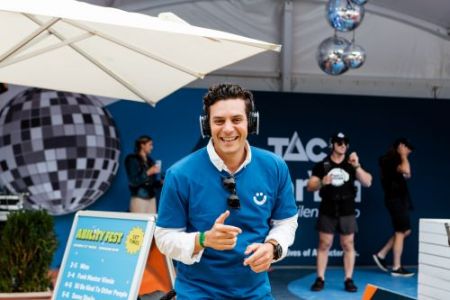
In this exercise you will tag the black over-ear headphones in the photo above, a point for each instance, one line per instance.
(252, 118)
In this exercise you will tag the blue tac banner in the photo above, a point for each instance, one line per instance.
(298, 127)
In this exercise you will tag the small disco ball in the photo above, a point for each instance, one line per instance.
(359, 2)
(62, 149)
(330, 55)
(354, 56)
(344, 15)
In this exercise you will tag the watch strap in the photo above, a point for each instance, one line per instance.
(277, 250)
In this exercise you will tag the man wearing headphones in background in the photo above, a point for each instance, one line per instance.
(335, 178)
(227, 211)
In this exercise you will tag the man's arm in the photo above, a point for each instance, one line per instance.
(187, 248)
(404, 167)
(314, 184)
(170, 233)
(362, 175)
(283, 232)
(261, 255)
(178, 244)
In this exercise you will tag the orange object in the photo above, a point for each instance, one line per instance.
(156, 275)
(369, 292)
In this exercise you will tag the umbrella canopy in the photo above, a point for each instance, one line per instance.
(78, 47)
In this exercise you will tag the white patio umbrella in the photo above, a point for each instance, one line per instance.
(78, 47)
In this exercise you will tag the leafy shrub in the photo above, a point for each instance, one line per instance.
(27, 245)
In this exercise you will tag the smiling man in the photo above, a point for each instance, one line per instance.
(227, 211)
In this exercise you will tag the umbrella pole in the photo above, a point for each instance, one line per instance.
(28, 39)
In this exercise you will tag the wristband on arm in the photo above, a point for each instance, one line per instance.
(201, 239)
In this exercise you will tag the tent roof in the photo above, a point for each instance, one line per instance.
(407, 44)
(432, 11)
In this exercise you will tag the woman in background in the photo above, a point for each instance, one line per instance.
(142, 176)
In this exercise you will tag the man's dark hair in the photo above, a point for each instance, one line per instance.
(227, 91)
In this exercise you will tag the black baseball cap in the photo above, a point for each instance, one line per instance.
(404, 141)
(340, 137)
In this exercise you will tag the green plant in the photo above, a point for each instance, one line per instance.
(27, 245)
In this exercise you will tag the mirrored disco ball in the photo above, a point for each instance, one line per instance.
(354, 56)
(60, 148)
(343, 15)
(359, 2)
(330, 55)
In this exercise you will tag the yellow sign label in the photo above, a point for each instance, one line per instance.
(134, 240)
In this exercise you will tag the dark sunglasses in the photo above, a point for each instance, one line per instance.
(340, 143)
(233, 199)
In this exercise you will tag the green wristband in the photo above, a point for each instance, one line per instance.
(201, 239)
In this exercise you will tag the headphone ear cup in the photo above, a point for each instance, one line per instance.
(205, 131)
(253, 122)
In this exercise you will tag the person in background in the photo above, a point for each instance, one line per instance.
(227, 211)
(142, 172)
(395, 170)
(335, 178)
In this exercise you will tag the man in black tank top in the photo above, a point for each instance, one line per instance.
(335, 178)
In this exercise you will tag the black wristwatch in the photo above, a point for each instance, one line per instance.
(277, 249)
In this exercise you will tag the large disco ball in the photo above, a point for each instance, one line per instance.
(330, 55)
(354, 56)
(343, 15)
(60, 148)
(359, 2)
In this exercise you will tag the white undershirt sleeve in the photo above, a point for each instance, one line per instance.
(283, 231)
(177, 244)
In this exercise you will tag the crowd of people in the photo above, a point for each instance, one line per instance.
(227, 211)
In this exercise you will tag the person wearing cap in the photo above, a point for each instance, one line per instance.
(395, 170)
(334, 178)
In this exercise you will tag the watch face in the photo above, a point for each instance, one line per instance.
(277, 251)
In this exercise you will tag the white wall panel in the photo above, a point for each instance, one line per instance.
(434, 260)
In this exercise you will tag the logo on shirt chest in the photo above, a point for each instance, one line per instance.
(338, 176)
(260, 198)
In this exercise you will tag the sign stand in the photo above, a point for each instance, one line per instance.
(105, 256)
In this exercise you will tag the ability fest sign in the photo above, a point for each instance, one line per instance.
(105, 256)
